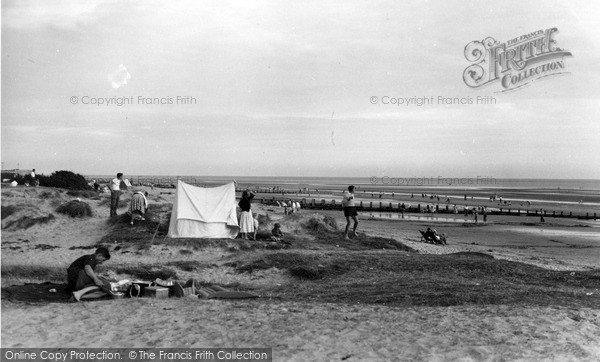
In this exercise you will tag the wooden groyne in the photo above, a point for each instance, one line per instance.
(380, 206)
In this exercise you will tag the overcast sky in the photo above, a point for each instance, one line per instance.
(284, 89)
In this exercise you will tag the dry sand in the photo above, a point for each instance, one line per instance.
(297, 331)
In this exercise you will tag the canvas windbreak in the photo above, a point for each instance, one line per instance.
(204, 212)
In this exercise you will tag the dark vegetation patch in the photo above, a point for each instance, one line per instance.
(303, 266)
(474, 254)
(84, 247)
(45, 247)
(8, 210)
(147, 272)
(425, 280)
(59, 179)
(75, 208)
(64, 179)
(33, 272)
(25, 222)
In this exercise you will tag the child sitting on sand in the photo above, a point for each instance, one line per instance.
(276, 233)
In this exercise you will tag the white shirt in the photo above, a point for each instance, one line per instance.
(348, 200)
(115, 184)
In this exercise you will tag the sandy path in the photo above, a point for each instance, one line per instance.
(316, 331)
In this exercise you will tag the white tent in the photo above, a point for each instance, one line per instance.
(204, 212)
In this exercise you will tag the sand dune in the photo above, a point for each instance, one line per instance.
(296, 330)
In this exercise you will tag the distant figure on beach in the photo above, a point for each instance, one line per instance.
(246, 219)
(349, 210)
(402, 209)
(542, 215)
(465, 197)
(475, 215)
(80, 273)
(484, 215)
(34, 181)
(115, 193)
(138, 206)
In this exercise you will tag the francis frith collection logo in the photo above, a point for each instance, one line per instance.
(516, 62)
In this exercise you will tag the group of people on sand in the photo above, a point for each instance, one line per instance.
(139, 200)
(249, 224)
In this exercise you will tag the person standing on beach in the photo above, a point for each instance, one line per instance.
(34, 181)
(246, 219)
(349, 210)
(115, 193)
(542, 215)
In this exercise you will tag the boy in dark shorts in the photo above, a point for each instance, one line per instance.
(349, 210)
(80, 273)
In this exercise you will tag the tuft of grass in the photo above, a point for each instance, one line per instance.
(331, 222)
(25, 222)
(147, 272)
(122, 203)
(299, 265)
(8, 210)
(75, 208)
(21, 274)
(317, 226)
(186, 265)
(86, 194)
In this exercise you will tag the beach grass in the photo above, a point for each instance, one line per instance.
(407, 279)
(392, 278)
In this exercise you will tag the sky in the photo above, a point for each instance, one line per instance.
(278, 88)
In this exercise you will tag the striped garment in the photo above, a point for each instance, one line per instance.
(138, 203)
(246, 222)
